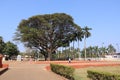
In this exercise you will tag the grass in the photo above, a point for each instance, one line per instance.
(81, 74)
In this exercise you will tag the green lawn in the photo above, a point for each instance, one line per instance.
(81, 74)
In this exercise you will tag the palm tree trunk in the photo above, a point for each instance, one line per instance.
(85, 48)
(79, 50)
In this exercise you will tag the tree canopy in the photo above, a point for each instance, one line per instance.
(8, 48)
(48, 32)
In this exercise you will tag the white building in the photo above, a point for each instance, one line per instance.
(117, 55)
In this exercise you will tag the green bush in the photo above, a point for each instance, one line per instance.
(96, 75)
(65, 71)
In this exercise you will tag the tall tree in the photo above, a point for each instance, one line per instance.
(80, 36)
(10, 49)
(90, 51)
(111, 49)
(86, 35)
(96, 51)
(47, 32)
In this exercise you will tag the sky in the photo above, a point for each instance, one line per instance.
(103, 16)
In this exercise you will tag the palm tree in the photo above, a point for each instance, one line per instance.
(91, 51)
(79, 38)
(86, 34)
(103, 51)
(111, 49)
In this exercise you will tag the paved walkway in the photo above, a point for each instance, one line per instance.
(28, 71)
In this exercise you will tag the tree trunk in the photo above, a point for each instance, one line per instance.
(49, 55)
(85, 47)
(73, 51)
(79, 50)
(45, 58)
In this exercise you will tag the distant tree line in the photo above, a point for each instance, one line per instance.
(91, 52)
(95, 51)
(8, 48)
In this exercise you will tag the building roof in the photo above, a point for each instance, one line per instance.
(117, 53)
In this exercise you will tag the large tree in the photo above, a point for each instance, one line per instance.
(111, 49)
(10, 49)
(47, 32)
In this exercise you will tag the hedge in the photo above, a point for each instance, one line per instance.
(97, 75)
(67, 72)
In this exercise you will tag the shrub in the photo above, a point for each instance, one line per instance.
(96, 75)
(62, 70)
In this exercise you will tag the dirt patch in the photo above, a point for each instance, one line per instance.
(81, 64)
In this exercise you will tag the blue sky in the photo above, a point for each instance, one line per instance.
(103, 16)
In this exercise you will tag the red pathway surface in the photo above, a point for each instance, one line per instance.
(37, 70)
(82, 64)
(28, 71)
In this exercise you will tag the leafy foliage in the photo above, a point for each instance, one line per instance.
(48, 32)
(86, 32)
(10, 49)
(111, 49)
(97, 75)
(65, 71)
(95, 51)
